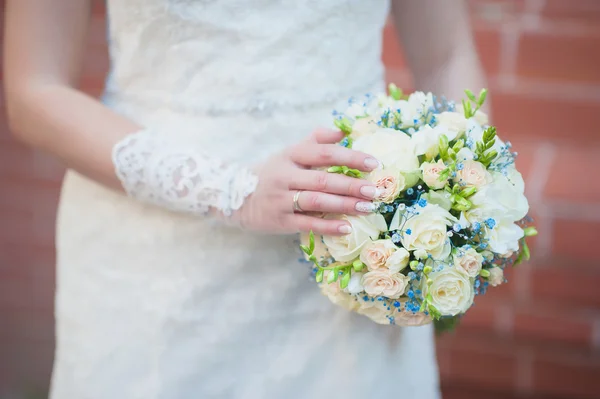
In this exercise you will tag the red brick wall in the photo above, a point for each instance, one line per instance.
(537, 337)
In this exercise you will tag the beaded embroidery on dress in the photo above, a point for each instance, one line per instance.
(152, 303)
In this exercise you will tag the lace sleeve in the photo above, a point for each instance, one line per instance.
(152, 169)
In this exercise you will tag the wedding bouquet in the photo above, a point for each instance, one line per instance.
(451, 211)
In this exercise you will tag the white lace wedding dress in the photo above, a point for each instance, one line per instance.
(153, 303)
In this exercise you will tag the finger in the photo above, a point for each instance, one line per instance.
(328, 227)
(326, 136)
(311, 201)
(332, 183)
(317, 155)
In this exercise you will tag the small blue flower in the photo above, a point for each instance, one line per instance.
(422, 202)
(408, 231)
(395, 238)
(477, 283)
(457, 227)
(411, 294)
(459, 166)
(412, 275)
(476, 226)
(490, 222)
(345, 142)
(396, 304)
(410, 191)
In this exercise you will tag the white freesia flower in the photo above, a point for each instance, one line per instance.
(355, 284)
(504, 236)
(468, 260)
(425, 230)
(391, 147)
(480, 117)
(398, 260)
(451, 291)
(453, 121)
(441, 198)
(346, 248)
(426, 140)
(475, 132)
(420, 254)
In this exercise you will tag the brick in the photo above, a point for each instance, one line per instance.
(558, 325)
(488, 44)
(393, 55)
(570, 378)
(28, 325)
(15, 226)
(16, 160)
(575, 239)
(577, 11)
(527, 115)
(401, 77)
(480, 369)
(481, 316)
(572, 58)
(566, 286)
(570, 174)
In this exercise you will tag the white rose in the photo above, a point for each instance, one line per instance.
(504, 236)
(425, 230)
(473, 174)
(391, 147)
(496, 276)
(451, 291)
(364, 229)
(441, 198)
(355, 285)
(364, 126)
(453, 121)
(389, 181)
(431, 174)
(375, 254)
(469, 261)
(384, 283)
(508, 194)
(398, 260)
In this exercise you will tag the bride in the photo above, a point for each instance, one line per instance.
(177, 273)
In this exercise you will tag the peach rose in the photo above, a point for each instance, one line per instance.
(473, 174)
(431, 174)
(469, 261)
(383, 283)
(389, 181)
(496, 276)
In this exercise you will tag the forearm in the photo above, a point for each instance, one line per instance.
(438, 45)
(72, 126)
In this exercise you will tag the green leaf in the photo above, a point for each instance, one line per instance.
(344, 125)
(470, 95)
(458, 145)
(345, 279)
(446, 324)
(306, 250)
(334, 169)
(482, 96)
(332, 276)
(467, 192)
(395, 92)
(530, 231)
(311, 241)
(526, 252)
(319, 275)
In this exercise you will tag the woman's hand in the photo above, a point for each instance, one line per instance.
(271, 207)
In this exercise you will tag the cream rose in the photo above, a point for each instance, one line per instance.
(431, 174)
(389, 181)
(453, 121)
(473, 174)
(391, 147)
(376, 254)
(496, 276)
(374, 311)
(384, 283)
(347, 248)
(451, 291)
(425, 230)
(364, 126)
(469, 261)
(441, 198)
(410, 319)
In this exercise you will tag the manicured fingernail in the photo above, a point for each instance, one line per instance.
(372, 163)
(370, 191)
(365, 207)
(345, 229)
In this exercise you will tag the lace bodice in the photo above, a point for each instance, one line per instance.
(226, 58)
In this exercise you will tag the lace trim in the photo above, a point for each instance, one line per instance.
(259, 105)
(155, 170)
